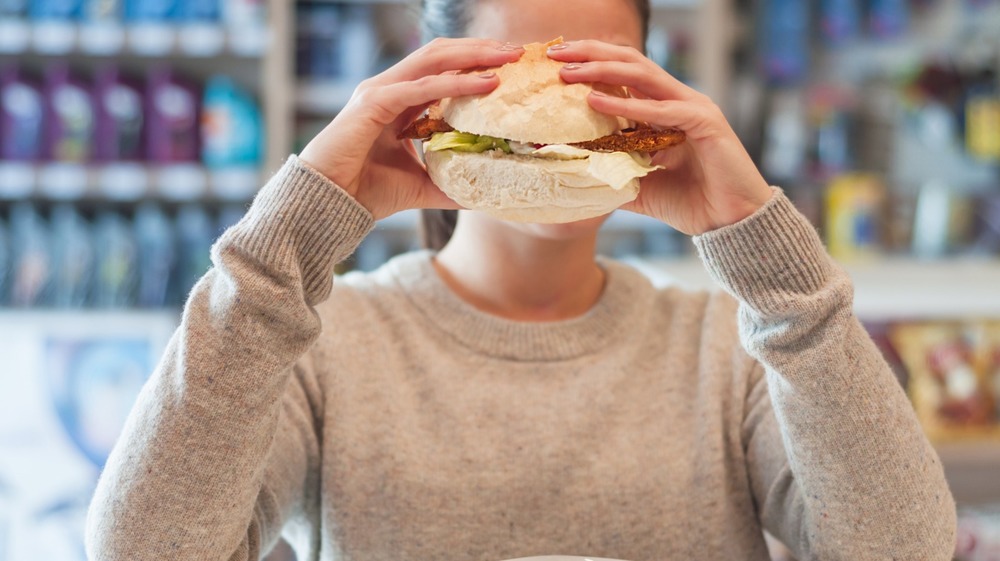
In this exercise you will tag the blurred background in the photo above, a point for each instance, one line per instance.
(132, 132)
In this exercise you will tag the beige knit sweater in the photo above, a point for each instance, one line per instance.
(381, 418)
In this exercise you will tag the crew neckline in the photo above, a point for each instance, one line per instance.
(617, 312)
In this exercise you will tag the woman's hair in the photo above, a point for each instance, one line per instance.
(450, 18)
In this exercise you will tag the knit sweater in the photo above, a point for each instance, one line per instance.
(379, 417)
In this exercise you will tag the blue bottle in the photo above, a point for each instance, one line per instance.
(232, 128)
(13, 8)
(5, 262)
(207, 11)
(888, 18)
(55, 9)
(839, 20)
(72, 253)
(194, 231)
(783, 40)
(31, 264)
(150, 11)
(154, 235)
(114, 286)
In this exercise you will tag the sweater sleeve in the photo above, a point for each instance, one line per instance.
(217, 451)
(838, 463)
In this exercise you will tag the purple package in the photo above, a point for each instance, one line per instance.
(172, 113)
(120, 113)
(21, 116)
(69, 116)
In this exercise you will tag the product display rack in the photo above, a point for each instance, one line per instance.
(886, 288)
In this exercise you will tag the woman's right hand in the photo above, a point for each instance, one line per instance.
(359, 150)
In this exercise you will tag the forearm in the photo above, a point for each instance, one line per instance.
(184, 478)
(867, 481)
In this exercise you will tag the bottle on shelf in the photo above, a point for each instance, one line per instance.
(116, 255)
(72, 252)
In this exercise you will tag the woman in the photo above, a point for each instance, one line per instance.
(511, 395)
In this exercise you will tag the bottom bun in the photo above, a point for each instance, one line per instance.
(524, 188)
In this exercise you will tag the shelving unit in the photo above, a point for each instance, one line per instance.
(328, 96)
(896, 288)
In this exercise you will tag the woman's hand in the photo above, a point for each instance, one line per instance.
(359, 150)
(709, 181)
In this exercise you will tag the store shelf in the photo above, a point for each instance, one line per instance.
(972, 468)
(127, 182)
(18, 37)
(886, 289)
(323, 97)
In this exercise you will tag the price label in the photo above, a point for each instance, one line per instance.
(123, 182)
(63, 182)
(151, 39)
(182, 182)
(201, 39)
(17, 180)
(15, 35)
(235, 183)
(104, 38)
(53, 37)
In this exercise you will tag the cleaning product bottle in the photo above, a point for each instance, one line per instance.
(172, 118)
(13, 8)
(151, 24)
(839, 20)
(152, 11)
(15, 35)
(69, 116)
(5, 264)
(783, 40)
(31, 263)
(201, 32)
(245, 20)
(103, 32)
(194, 231)
(888, 18)
(53, 25)
(54, 9)
(118, 104)
(72, 254)
(231, 128)
(116, 262)
(157, 256)
(21, 113)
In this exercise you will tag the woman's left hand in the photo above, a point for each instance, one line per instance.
(709, 181)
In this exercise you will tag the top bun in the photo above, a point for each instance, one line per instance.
(532, 104)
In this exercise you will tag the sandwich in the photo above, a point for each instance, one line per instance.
(533, 150)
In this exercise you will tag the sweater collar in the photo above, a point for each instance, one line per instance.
(627, 294)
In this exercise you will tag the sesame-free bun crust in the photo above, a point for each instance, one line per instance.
(532, 104)
(524, 188)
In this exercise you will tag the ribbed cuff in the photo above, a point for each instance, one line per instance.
(768, 256)
(301, 218)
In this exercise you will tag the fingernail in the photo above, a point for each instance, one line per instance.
(573, 66)
(598, 93)
(487, 75)
(559, 47)
(509, 47)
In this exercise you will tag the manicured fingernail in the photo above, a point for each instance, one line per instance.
(487, 75)
(509, 47)
(573, 66)
(598, 93)
(559, 47)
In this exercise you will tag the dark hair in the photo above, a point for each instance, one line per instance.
(450, 18)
